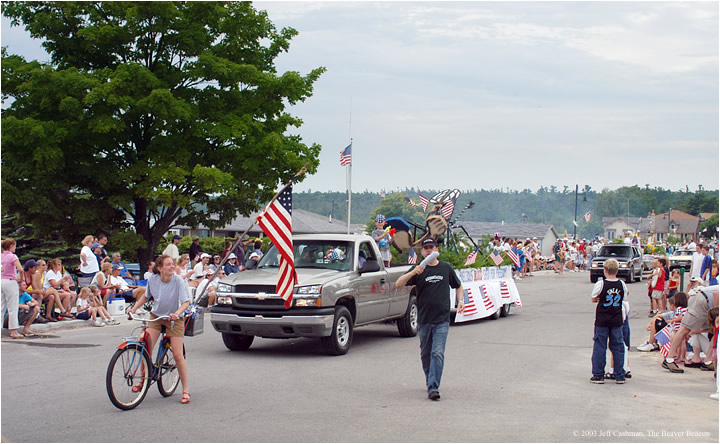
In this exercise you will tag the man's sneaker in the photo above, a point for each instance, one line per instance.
(628, 375)
(598, 379)
(435, 396)
(693, 364)
(646, 347)
(673, 367)
(707, 367)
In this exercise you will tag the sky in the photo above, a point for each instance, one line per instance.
(486, 95)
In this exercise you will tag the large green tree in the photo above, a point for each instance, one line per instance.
(149, 114)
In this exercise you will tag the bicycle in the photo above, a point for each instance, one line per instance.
(127, 379)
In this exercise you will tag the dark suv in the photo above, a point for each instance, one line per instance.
(628, 256)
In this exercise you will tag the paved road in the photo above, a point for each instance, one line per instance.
(518, 379)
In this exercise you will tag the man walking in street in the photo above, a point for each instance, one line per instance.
(433, 301)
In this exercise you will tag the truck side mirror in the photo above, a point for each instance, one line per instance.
(369, 267)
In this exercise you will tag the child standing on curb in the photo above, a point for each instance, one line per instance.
(609, 294)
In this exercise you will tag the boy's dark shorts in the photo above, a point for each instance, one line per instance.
(84, 315)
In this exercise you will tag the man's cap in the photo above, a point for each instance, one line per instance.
(697, 279)
(232, 256)
(380, 218)
(204, 255)
(30, 264)
(116, 267)
(196, 238)
(94, 246)
(429, 241)
(176, 237)
(534, 238)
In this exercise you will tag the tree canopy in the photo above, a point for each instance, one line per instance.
(149, 114)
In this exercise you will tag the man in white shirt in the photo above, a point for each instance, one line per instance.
(172, 249)
(200, 268)
(122, 286)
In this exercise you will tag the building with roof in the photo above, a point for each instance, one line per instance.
(545, 234)
(304, 222)
(676, 223)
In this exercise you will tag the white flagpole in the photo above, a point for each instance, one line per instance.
(349, 190)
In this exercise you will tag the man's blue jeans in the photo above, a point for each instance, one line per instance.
(432, 352)
(602, 334)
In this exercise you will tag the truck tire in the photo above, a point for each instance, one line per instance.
(237, 342)
(505, 310)
(631, 277)
(340, 340)
(408, 324)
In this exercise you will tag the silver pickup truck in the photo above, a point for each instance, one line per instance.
(342, 284)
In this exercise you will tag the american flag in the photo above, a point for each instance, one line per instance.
(424, 202)
(469, 302)
(496, 257)
(588, 216)
(412, 204)
(412, 257)
(346, 156)
(276, 222)
(447, 209)
(663, 337)
(504, 290)
(472, 257)
(486, 299)
(514, 258)
(680, 311)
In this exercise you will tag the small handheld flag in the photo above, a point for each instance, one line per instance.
(472, 257)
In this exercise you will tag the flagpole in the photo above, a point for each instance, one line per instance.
(349, 191)
(303, 170)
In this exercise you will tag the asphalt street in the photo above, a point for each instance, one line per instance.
(524, 378)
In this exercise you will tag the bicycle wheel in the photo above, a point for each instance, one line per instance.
(128, 377)
(168, 377)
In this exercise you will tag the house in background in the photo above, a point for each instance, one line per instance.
(546, 234)
(617, 226)
(677, 223)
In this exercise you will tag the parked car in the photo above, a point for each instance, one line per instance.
(680, 259)
(629, 257)
(342, 284)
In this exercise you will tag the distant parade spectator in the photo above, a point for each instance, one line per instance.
(231, 265)
(117, 260)
(89, 264)
(195, 250)
(12, 274)
(172, 249)
(382, 238)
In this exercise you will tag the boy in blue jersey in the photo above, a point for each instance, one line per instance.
(609, 294)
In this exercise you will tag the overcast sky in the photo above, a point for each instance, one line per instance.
(474, 95)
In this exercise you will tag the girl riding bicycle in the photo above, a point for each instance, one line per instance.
(171, 298)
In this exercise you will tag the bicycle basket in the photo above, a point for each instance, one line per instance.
(194, 321)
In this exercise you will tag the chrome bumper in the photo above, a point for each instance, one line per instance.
(312, 326)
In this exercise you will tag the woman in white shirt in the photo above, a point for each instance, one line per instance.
(88, 262)
(54, 279)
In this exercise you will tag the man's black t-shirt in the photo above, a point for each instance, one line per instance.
(433, 292)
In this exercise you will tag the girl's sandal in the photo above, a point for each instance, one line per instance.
(185, 398)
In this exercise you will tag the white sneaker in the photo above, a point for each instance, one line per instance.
(98, 324)
(646, 347)
(715, 396)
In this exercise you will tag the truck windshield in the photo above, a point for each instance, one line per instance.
(615, 251)
(314, 254)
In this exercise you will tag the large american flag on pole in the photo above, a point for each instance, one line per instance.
(276, 223)
(513, 257)
(447, 209)
(346, 156)
(663, 337)
(472, 257)
(495, 257)
(469, 308)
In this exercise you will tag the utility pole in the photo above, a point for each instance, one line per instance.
(575, 219)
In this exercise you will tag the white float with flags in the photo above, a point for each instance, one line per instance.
(487, 290)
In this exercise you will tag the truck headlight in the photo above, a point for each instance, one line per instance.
(595, 264)
(309, 290)
(308, 302)
(623, 265)
(224, 288)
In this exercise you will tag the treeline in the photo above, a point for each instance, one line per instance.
(548, 205)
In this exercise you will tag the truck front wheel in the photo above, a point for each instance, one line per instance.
(340, 340)
(237, 342)
(408, 324)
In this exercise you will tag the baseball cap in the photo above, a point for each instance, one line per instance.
(232, 256)
(204, 255)
(94, 246)
(176, 237)
(116, 267)
(429, 241)
(379, 218)
(196, 238)
(30, 264)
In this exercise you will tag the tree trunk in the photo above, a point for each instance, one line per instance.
(151, 234)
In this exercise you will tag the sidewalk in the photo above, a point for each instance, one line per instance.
(49, 327)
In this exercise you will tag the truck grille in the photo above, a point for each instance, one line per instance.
(270, 302)
(255, 289)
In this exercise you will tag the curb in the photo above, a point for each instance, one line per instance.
(63, 325)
